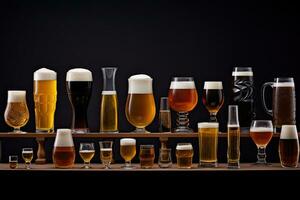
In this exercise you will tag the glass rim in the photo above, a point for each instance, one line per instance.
(208, 125)
(182, 78)
(283, 79)
(146, 146)
(27, 149)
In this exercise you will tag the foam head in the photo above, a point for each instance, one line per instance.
(284, 84)
(289, 132)
(64, 138)
(208, 125)
(127, 141)
(44, 74)
(16, 96)
(182, 85)
(242, 71)
(79, 74)
(140, 84)
(261, 129)
(184, 147)
(213, 85)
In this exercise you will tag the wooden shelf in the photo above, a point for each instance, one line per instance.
(118, 167)
(115, 135)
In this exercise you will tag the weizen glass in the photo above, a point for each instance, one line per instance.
(87, 152)
(106, 153)
(289, 146)
(128, 151)
(208, 143)
(140, 105)
(213, 98)
(79, 83)
(284, 102)
(184, 155)
(45, 94)
(147, 156)
(16, 113)
(183, 98)
(109, 102)
(233, 138)
(27, 155)
(261, 132)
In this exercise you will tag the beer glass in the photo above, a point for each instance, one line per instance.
(242, 94)
(45, 94)
(164, 115)
(13, 161)
(289, 146)
(63, 155)
(109, 102)
(16, 113)
(183, 98)
(165, 158)
(284, 102)
(27, 155)
(127, 151)
(106, 153)
(140, 105)
(261, 132)
(233, 138)
(208, 143)
(79, 83)
(147, 156)
(184, 155)
(87, 152)
(213, 98)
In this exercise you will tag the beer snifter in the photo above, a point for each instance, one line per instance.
(284, 102)
(87, 152)
(79, 83)
(109, 102)
(16, 113)
(128, 151)
(261, 132)
(183, 98)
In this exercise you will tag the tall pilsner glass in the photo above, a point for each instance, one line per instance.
(140, 105)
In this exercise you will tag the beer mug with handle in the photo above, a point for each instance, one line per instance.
(283, 102)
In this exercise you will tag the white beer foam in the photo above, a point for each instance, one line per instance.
(79, 74)
(261, 129)
(27, 151)
(289, 132)
(16, 96)
(44, 74)
(208, 125)
(87, 151)
(127, 141)
(242, 73)
(182, 85)
(213, 85)
(64, 138)
(105, 149)
(233, 125)
(184, 147)
(284, 84)
(109, 92)
(140, 84)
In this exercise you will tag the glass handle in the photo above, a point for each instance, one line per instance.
(263, 91)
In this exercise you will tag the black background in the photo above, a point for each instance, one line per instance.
(162, 39)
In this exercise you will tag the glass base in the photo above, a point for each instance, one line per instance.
(165, 165)
(80, 131)
(128, 167)
(183, 129)
(44, 130)
(233, 165)
(208, 164)
(140, 130)
(262, 164)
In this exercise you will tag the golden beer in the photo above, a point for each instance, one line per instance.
(87, 155)
(208, 143)
(184, 155)
(45, 93)
(140, 106)
(233, 140)
(127, 149)
(106, 155)
(27, 156)
(109, 112)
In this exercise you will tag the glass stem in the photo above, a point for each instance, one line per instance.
(261, 155)
(17, 130)
(182, 119)
(128, 164)
(213, 117)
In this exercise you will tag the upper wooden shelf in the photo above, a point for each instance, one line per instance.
(114, 135)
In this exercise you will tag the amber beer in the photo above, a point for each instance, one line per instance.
(289, 146)
(127, 148)
(109, 112)
(45, 94)
(64, 152)
(208, 143)
(147, 156)
(233, 152)
(16, 113)
(184, 155)
(140, 105)
(261, 136)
